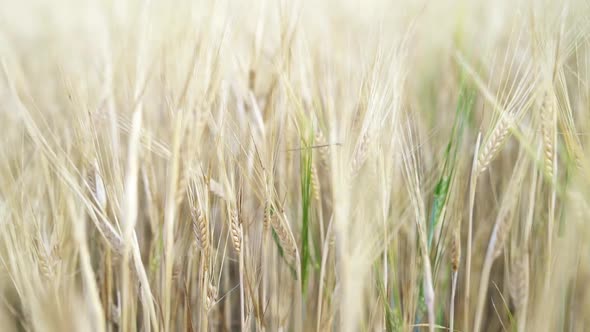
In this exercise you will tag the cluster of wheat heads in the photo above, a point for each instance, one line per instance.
(295, 166)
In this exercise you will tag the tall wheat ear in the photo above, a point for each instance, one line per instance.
(519, 286)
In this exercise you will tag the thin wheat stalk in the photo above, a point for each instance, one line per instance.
(299, 301)
(549, 138)
(472, 190)
(455, 261)
(88, 277)
(325, 252)
(411, 171)
(170, 212)
(495, 247)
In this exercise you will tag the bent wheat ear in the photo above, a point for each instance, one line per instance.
(201, 230)
(519, 284)
(494, 142)
(285, 236)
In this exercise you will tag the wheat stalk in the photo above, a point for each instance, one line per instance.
(455, 261)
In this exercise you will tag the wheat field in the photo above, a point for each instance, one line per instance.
(294, 165)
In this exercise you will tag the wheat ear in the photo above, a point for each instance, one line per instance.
(519, 287)
(360, 154)
(323, 149)
(98, 194)
(494, 142)
(315, 184)
(201, 231)
(236, 230)
(285, 236)
(548, 123)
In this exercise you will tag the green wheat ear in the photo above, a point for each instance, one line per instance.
(281, 250)
(441, 190)
(306, 200)
(392, 312)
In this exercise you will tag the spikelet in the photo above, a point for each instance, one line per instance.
(96, 185)
(212, 293)
(99, 197)
(46, 266)
(360, 155)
